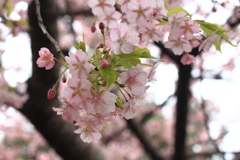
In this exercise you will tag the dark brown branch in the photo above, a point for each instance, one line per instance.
(168, 52)
(44, 30)
(142, 138)
(183, 94)
(150, 113)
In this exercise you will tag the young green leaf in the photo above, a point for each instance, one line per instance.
(109, 75)
(119, 102)
(176, 10)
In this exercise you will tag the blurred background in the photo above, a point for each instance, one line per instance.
(190, 112)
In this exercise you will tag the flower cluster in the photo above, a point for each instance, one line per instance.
(87, 100)
(112, 81)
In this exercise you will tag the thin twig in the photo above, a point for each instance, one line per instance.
(45, 32)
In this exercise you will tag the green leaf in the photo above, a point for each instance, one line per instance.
(218, 45)
(141, 53)
(23, 22)
(176, 10)
(134, 57)
(144, 64)
(124, 63)
(209, 28)
(119, 102)
(9, 7)
(109, 75)
(77, 47)
(82, 46)
(162, 22)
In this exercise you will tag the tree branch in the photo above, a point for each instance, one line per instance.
(142, 138)
(43, 28)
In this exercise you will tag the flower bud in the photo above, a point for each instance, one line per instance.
(154, 14)
(105, 63)
(51, 93)
(64, 79)
(93, 29)
(101, 27)
(214, 9)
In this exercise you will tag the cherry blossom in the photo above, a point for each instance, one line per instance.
(195, 42)
(139, 12)
(159, 9)
(78, 89)
(46, 59)
(100, 7)
(188, 59)
(189, 28)
(67, 111)
(178, 44)
(135, 79)
(174, 21)
(131, 107)
(152, 73)
(87, 128)
(79, 66)
(102, 102)
(123, 39)
(110, 19)
(124, 5)
(150, 32)
(207, 43)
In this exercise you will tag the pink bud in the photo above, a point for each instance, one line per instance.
(154, 14)
(93, 29)
(51, 93)
(101, 25)
(105, 63)
(223, 4)
(214, 9)
(64, 79)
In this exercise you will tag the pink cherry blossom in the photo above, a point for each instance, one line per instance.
(124, 5)
(159, 8)
(150, 32)
(152, 73)
(207, 43)
(67, 111)
(135, 79)
(88, 128)
(46, 59)
(178, 44)
(174, 21)
(131, 107)
(189, 28)
(110, 19)
(78, 90)
(195, 42)
(101, 6)
(123, 39)
(79, 66)
(139, 12)
(101, 102)
(188, 59)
